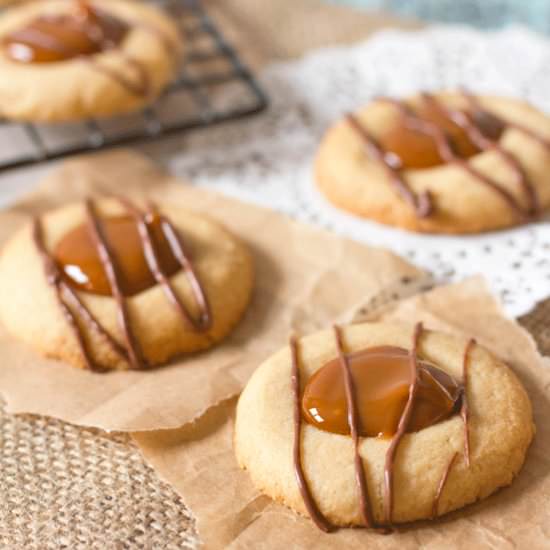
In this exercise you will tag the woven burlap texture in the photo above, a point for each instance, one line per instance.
(66, 487)
(537, 322)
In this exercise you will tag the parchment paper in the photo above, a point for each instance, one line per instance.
(198, 459)
(305, 279)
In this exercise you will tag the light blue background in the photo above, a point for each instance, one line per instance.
(480, 13)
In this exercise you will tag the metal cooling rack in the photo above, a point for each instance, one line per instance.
(213, 86)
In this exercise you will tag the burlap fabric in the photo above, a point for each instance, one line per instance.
(66, 487)
(537, 322)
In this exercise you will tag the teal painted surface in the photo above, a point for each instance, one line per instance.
(480, 13)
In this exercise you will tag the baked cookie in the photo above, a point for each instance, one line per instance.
(441, 163)
(64, 60)
(106, 284)
(437, 423)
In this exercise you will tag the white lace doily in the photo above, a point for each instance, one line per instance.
(268, 159)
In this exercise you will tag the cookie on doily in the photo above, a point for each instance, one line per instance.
(441, 163)
(71, 59)
(110, 284)
(438, 422)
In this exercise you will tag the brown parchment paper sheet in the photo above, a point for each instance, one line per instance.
(198, 459)
(265, 31)
(305, 278)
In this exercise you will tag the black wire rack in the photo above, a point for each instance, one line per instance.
(213, 86)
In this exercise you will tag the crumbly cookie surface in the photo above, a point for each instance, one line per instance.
(30, 310)
(353, 180)
(75, 89)
(501, 429)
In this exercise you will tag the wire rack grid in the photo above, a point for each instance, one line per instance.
(197, 98)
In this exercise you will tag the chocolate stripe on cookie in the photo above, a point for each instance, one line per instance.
(441, 485)
(178, 249)
(131, 352)
(366, 512)
(447, 153)
(143, 86)
(152, 258)
(401, 429)
(140, 87)
(55, 278)
(353, 421)
(422, 203)
(309, 502)
(476, 106)
(464, 409)
(111, 271)
(464, 413)
(88, 318)
(476, 136)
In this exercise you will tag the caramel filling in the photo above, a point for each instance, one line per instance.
(49, 38)
(78, 257)
(381, 377)
(418, 150)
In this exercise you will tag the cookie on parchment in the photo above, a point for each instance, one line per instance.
(427, 443)
(115, 284)
(439, 163)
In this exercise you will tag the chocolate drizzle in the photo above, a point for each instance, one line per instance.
(309, 502)
(366, 512)
(535, 136)
(464, 409)
(365, 507)
(401, 429)
(422, 204)
(446, 151)
(141, 86)
(204, 321)
(464, 413)
(109, 266)
(441, 485)
(172, 236)
(54, 278)
(484, 143)
(483, 140)
(79, 312)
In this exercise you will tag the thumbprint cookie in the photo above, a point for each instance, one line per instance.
(375, 424)
(109, 284)
(64, 60)
(439, 163)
